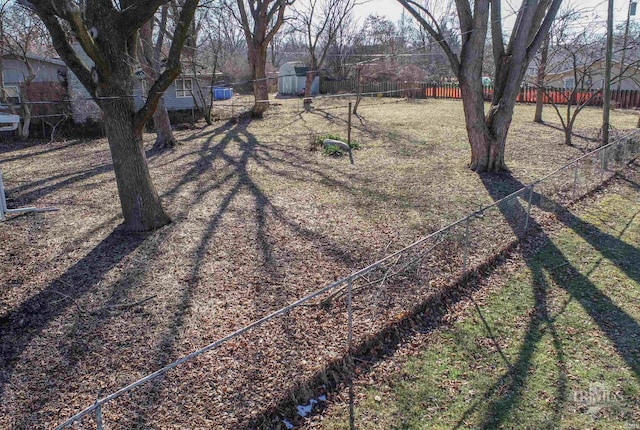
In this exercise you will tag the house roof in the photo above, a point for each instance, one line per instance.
(596, 66)
(299, 67)
(31, 56)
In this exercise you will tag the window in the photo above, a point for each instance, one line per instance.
(183, 87)
(569, 83)
(12, 94)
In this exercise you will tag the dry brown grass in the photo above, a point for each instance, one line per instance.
(259, 221)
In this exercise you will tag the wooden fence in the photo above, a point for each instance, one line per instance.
(415, 90)
(625, 99)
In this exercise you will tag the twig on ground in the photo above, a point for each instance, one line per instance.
(130, 305)
(114, 307)
(80, 308)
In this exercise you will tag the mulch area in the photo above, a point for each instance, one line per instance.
(260, 221)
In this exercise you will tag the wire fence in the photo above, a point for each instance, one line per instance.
(364, 303)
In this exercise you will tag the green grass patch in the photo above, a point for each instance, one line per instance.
(556, 346)
(333, 150)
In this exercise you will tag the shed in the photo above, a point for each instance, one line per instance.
(292, 77)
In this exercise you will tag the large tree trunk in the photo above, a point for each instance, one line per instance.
(139, 200)
(258, 62)
(487, 150)
(109, 37)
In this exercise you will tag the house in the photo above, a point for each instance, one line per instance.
(46, 93)
(593, 75)
(183, 94)
(187, 92)
(292, 78)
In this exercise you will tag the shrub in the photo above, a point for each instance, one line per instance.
(333, 151)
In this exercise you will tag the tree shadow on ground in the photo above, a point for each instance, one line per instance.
(118, 245)
(225, 166)
(587, 139)
(20, 326)
(619, 327)
(37, 189)
(49, 148)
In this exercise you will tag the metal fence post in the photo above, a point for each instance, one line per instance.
(349, 134)
(99, 424)
(526, 220)
(575, 181)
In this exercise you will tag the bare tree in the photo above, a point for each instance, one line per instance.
(548, 59)
(149, 56)
(542, 71)
(320, 22)
(342, 49)
(579, 64)
(107, 32)
(260, 20)
(488, 133)
(284, 43)
(212, 47)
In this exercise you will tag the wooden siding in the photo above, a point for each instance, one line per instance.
(14, 71)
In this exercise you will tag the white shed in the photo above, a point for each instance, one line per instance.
(292, 77)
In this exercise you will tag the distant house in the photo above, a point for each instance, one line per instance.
(185, 93)
(178, 96)
(292, 79)
(46, 93)
(594, 77)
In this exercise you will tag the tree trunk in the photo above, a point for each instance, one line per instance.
(162, 125)
(542, 71)
(258, 62)
(139, 200)
(568, 132)
(208, 117)
(25, 111)
(487, 145)
(308, 83)
(568, 126)
(148, 56)
(359, 91)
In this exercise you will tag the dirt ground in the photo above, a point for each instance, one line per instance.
(260, 220)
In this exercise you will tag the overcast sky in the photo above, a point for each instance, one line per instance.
(597, 9)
